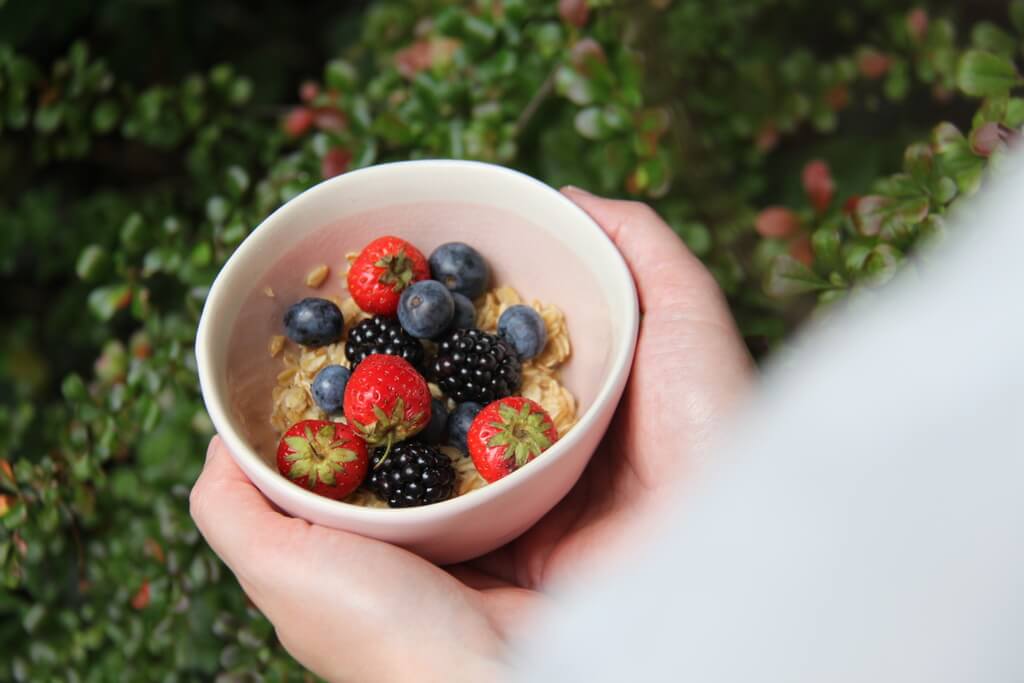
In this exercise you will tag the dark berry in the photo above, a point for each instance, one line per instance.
(458, 424)
(329, 388)
(425, 309)
(434, 432)
(524, 329)
(460, 268)
(465, 313)
(472, 365)
(382, 335)
(314, 322)
(412, 474)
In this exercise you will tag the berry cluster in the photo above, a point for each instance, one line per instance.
(392, 427)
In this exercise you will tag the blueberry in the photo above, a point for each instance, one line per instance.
(329, 388)
(314, 322)
(459, 422)
(524, 329)
(465, 313)
(460, 268)
(426, 309)
(434, 432)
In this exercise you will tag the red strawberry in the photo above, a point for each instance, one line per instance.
(382, 270)
(328, 458)
(386, 400)
(507, 434)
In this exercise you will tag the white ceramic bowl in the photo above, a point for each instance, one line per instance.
(535, 240)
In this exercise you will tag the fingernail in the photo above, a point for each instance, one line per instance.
(214, 444)
(576, 190)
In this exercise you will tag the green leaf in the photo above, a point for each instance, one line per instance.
(788, 277)
(826, 242)
(217, 209)
(882, 264)
(987, 36)
(340, 75)
(1017, 15)
(132, 231)
(573, 86)
(238, 180)
(983, 74)
(105, 116)
(104, 302)
(91, 263)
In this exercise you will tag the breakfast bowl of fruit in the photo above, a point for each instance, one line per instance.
(425, 352)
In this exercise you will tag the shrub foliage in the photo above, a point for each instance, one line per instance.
(802, 152)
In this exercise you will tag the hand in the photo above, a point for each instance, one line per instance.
(352, 608)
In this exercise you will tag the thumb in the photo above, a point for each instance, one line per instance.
(668, 276)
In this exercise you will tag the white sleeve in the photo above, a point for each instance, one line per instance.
(865, 518)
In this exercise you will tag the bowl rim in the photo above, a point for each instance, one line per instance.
(316, 505)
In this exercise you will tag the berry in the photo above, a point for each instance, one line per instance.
(327, 458)
(435, 430)
(414, 474)
(314, 322)
(460, 268)
(328, 388)
(386, 400)
(472, 365)
(459, 422)
(381, 335)
(523, 328)
(465, 312)
(426, 309)
(507, 434)
(384, 268)
(298, 121)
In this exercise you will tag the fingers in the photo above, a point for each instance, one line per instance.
(234, 517)
(665, 271)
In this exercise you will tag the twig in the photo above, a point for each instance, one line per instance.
(543, 92)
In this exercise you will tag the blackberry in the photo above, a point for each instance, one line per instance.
(414, 474)
(472, 365)
(382, 335)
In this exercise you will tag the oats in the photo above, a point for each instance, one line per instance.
(312, 362)
(268, 291)
(351, 256)
(276, 344)
(316, 277)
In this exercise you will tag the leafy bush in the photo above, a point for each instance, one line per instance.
(785, 141)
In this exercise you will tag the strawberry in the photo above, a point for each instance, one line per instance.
(384, 268)
(327, 458)
(507, 434)
(386, 400)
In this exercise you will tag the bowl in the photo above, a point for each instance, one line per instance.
(535, 240)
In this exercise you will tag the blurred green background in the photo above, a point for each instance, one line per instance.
(804, 150)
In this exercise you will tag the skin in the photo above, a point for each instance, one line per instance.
(392, 616)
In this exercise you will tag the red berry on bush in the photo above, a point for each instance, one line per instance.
(574, 12)
(777, 221)
(335, 162)
(298, 121)
(329, 119)
(801, 250)
(872, 63)
(141, 598)
(917, 23)
(837, 97)
(308, 91)
(818, 184)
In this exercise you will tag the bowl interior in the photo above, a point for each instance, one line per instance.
(533, 238)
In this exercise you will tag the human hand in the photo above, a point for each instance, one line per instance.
(352, 608)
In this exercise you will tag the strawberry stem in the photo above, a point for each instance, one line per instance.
(387, 450)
